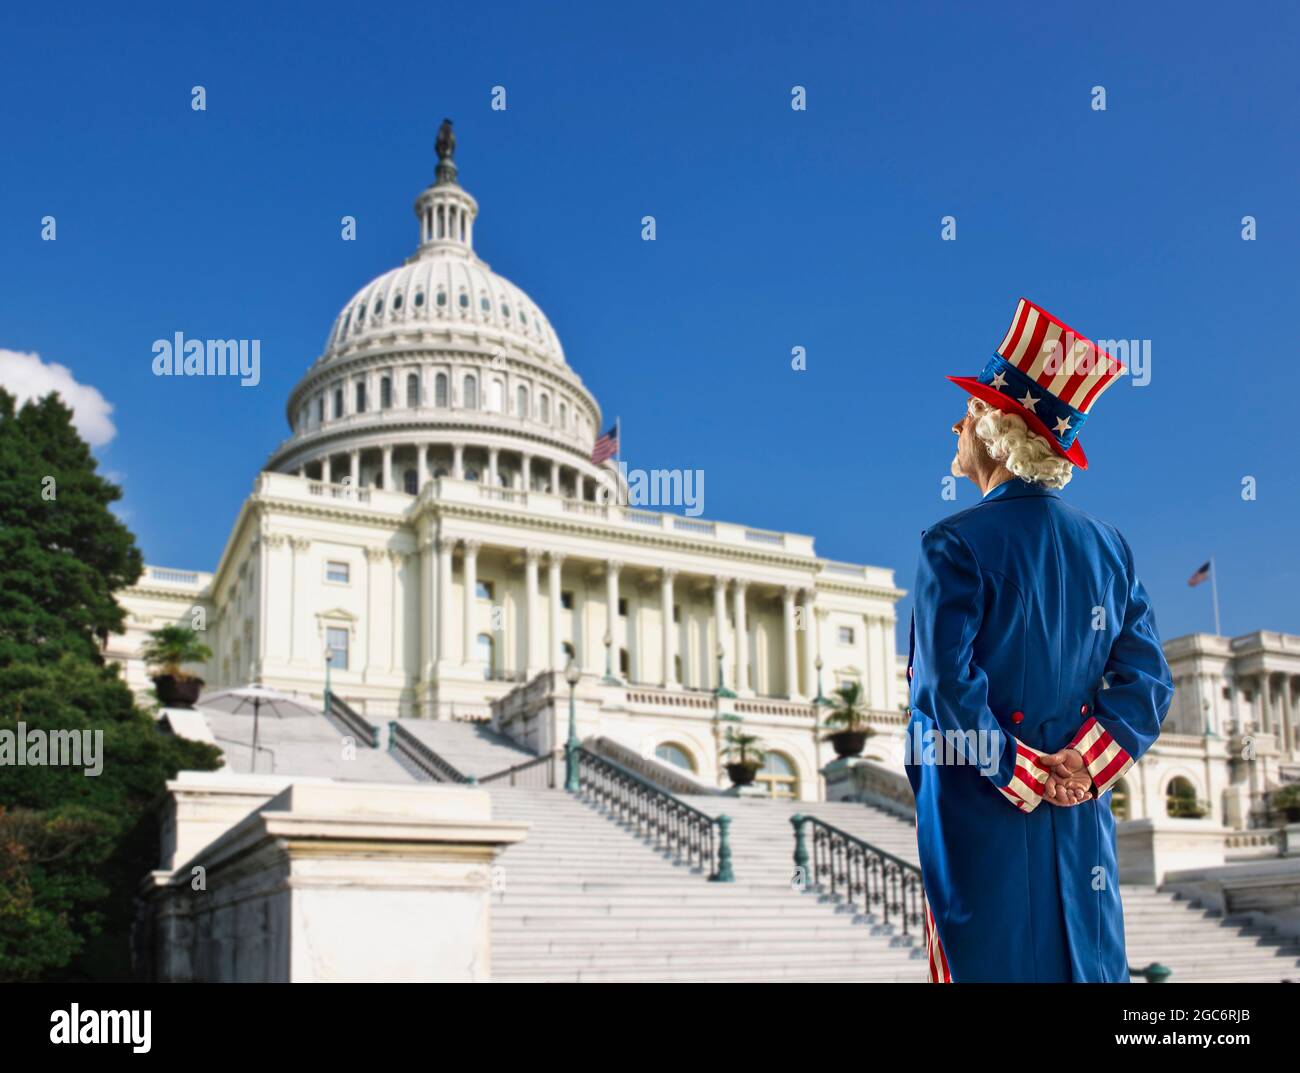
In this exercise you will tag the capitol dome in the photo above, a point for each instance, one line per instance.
(441, 367)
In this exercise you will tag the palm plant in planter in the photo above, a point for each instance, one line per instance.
(848, 715)
(168, 648)
(745, 755)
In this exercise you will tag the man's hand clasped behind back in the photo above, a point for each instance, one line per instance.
(1068, 781)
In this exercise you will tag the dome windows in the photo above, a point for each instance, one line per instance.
(379, 306)
(505, 310)
(464, 300)
(413, 390)
(419, 299)
(521, 401)
(544, 409)
(471, 391)
(441, 299)
(440, 390)
(397, 301)
(338, 402)
(385, 394)
(485, 304)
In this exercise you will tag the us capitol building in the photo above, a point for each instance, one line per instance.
(435, 521)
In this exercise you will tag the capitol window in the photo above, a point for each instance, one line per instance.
(397, 301)
(361, 318)
(521, 401)
(379, 306)
(338, 402)
(674, 754)
(544, 407)
(336, 572)
(442, 298)
(412, 390)
(846, 635)
(505, 310)
(464, 300)
(564, 414)
(483, 590)
(440, 390)
(419, 299)
(386, 394)
(361, 397)
(484, 304)
(471, 392)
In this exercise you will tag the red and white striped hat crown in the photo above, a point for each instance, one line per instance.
(1047, 374)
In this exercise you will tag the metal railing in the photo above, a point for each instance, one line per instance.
(859, 874)
(353, 720)
(536, 774)
(412, 749)
(676, 827)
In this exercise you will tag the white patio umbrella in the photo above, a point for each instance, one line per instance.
(255, 698)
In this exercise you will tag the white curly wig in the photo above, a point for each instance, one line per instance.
(1026, 454)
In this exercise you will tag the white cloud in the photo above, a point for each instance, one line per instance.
(27, 377)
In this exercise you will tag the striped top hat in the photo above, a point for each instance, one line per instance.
(1048, 375)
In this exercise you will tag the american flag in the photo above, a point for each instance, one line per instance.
(1201, 575)
(606, 446)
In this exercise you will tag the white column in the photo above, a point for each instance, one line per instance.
(719, 629)
(531, 555)
(388, 468)
(526, 473)
(355, 468)
(445, 545)
(493, 476)
(580, 486)
(458, 461)
(554, 562)
(422, 460)
(555, 478)
(791, 657)
(612, 567)
(669, 675)
(428, 606)
(1265, 704)
(471, 599)
(810, 646)
(1288, 744)
(325, 470)
(742, 637)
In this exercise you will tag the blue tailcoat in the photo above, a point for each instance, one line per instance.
(1030, 628)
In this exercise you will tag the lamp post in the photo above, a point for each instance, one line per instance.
(571, 675)
(329, 659)
(821, 701)
(722, 690)
(609, 679)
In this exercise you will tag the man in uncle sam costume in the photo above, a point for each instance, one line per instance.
(1036, 680)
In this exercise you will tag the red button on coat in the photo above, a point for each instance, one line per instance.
(1083, 710)
(1017, 717)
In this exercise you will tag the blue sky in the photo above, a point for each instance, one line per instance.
(776, 229)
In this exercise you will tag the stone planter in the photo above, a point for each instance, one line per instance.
(848, 742)
(176, 692)
(742, 774)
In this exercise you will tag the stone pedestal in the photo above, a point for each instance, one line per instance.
(1149, 848)
(1291, 840)
(323, 882)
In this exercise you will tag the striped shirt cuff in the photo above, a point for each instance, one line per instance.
(1102, 756)
(1025, 790)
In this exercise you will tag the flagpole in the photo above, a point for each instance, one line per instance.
(1214, 589)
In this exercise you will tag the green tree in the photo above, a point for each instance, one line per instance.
(63, 553)
(73, 846)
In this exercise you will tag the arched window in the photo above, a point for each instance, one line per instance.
(471, 391)
(440, 390)
(464, 300)
(676, 755)
(413, 390)
(386, 394)
(485, 652)
(496, 395)
(442, 298)
(1119, 800)
(521, 401)
(419, 299)
(361, 397)
(777, 775)
(397, 301)
(411, 482)
(564, 416)
(485, 304)
(338, 402)
(544, 409)
(1180, 800)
